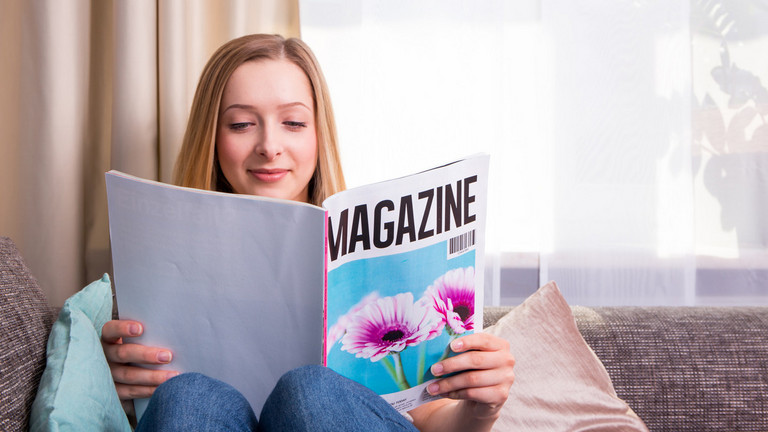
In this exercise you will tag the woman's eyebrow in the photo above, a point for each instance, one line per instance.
(239, 106)
(252, 108)
(293, 104)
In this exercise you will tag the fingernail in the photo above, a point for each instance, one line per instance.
(134, 329)
(164, 356)
(433, 388)
(171, 375)
(436, 369)
(457, 345)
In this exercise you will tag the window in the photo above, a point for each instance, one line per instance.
(628, 140)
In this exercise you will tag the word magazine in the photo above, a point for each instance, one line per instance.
(374, 284)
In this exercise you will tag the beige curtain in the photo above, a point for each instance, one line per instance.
(92, 85)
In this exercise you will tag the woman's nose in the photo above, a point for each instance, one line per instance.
(269, 146)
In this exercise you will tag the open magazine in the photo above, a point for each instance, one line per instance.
(374, 284)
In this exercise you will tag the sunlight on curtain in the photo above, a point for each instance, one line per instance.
(623, 215)
(589, 110)
(417, 84)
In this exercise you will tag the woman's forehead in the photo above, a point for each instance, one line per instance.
(268, 81)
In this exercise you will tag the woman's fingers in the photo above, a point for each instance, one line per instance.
(134, 375)
(479, 342)
(484, 366)
(116, 351)
(133, 381)
(479, 386)
(476, 351)
(113, 331)
(136, 382)
(135, 353)
(129, 392)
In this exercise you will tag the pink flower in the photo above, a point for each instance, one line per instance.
(337, 330)
(389, 325)
(453, 297)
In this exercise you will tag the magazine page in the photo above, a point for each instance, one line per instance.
(405, 260)
(213, 277)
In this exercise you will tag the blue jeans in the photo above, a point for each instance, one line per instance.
(309, 398)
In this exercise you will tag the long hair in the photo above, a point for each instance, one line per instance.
(197, 165)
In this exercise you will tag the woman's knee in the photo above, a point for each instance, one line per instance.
(306, 386)
(195, 399)
(321, 398)
(193, 390)
(191, 384)
(304, 375)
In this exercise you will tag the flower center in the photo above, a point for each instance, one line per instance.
(393, 335)
(462, 311)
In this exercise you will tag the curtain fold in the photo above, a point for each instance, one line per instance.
(97, 148)
(134, 105)
(95, 85)
(55, 49)
(10, 99)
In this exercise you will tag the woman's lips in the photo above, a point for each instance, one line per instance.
(268, 175)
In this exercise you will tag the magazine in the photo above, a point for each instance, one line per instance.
(374, 284)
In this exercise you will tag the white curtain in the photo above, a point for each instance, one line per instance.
(628, 139)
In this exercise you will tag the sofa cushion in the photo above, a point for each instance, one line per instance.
(26, 321)
(76, 390)
(560, 384)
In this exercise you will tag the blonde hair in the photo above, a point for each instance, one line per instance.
(197, 165)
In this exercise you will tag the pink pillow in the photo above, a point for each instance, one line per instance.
(560, 384)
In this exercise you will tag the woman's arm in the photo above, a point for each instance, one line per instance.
(474, 396)
(133, 382)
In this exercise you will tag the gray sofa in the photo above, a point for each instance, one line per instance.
(680, 369)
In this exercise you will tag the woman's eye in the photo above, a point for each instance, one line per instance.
(295, 124)
(240, 126)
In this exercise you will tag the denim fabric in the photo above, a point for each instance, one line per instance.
(195, 402)
(310, 398)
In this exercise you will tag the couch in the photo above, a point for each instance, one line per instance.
(678, 368)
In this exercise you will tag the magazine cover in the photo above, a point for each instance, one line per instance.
(402, 277)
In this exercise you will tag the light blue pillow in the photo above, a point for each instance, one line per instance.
(76, 390)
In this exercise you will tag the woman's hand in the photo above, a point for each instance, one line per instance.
(479, 389)
(133, 382)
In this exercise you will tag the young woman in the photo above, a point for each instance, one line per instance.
(261, 123)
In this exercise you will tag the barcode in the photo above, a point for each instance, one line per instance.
(462, 242)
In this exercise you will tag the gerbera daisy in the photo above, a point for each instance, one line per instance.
(389, 325)
(453, 297)
(337, 330)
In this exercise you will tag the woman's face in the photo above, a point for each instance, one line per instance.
(266, 141)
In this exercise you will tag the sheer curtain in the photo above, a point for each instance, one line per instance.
(628, 140)
(89, 86)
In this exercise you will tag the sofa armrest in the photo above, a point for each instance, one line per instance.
(26, 322)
